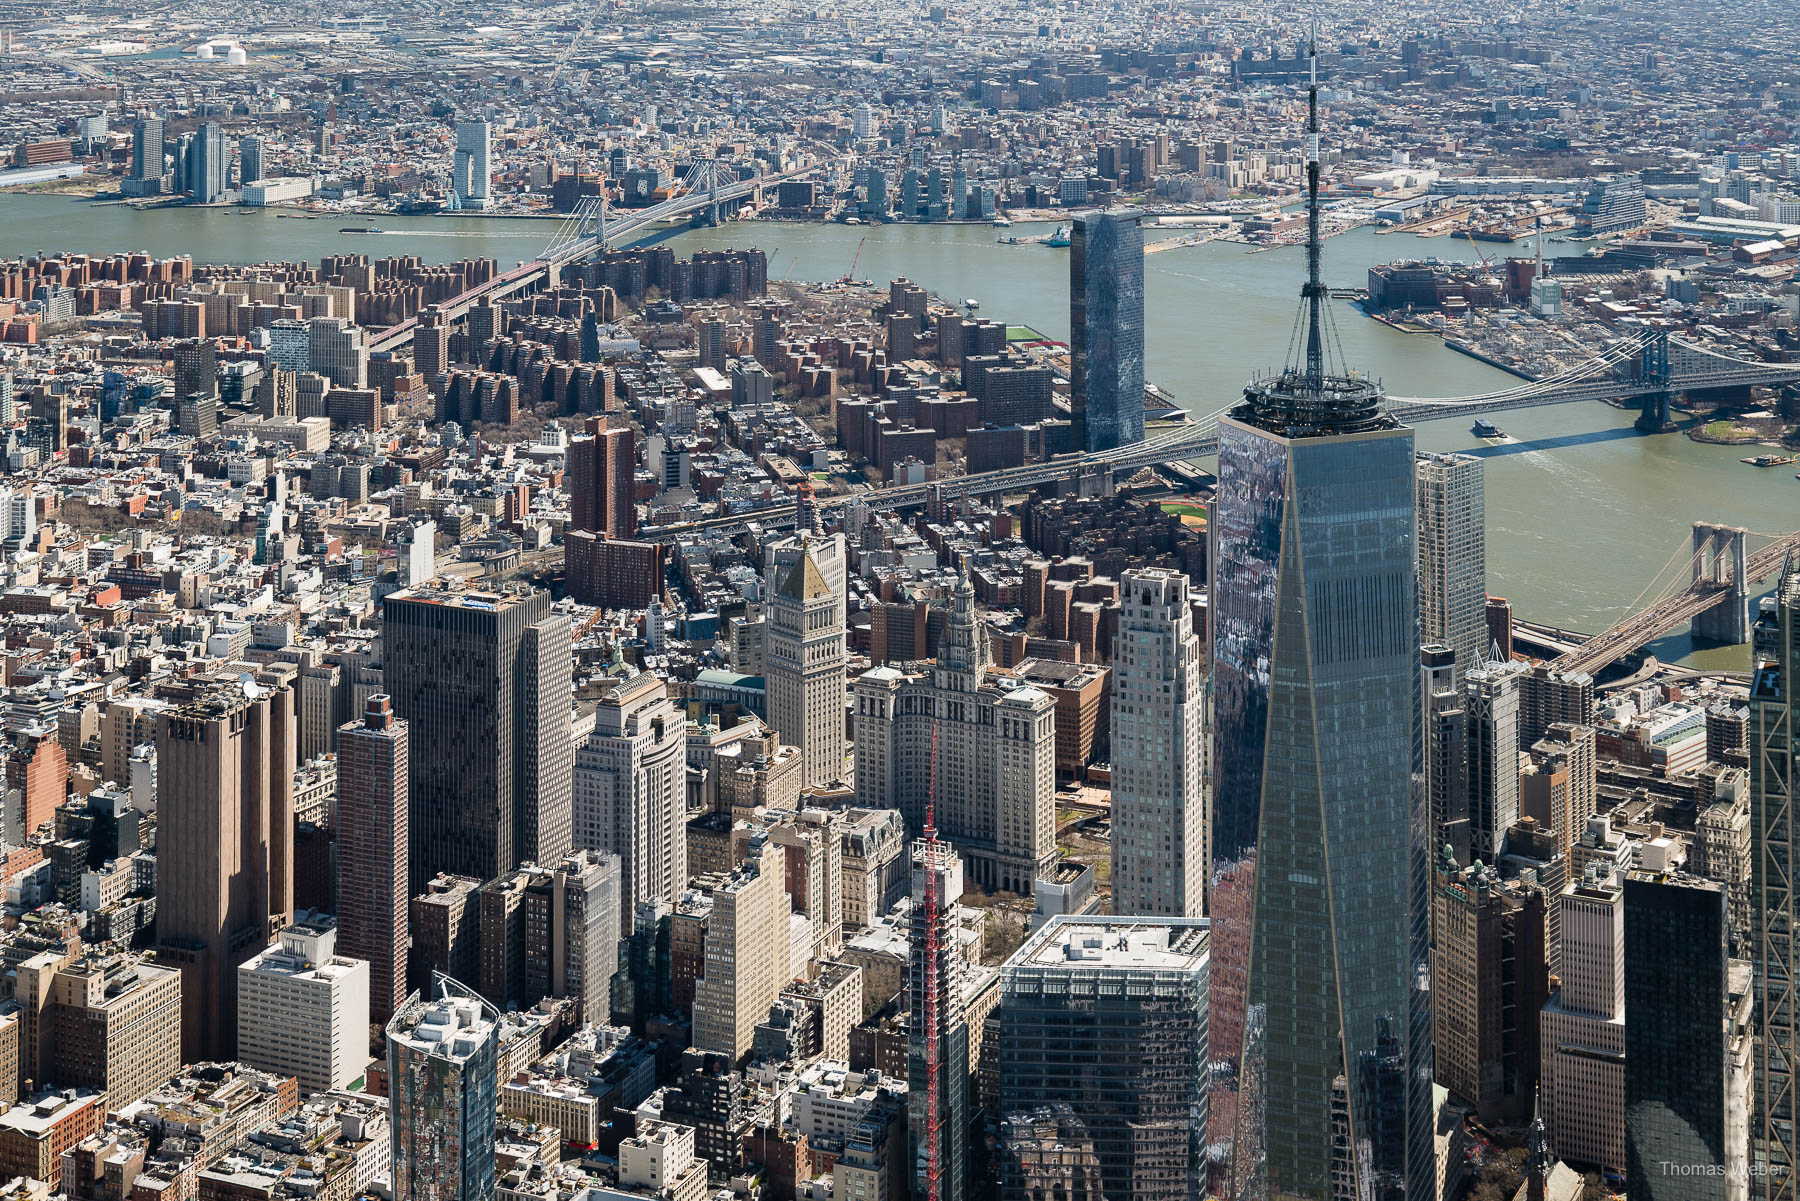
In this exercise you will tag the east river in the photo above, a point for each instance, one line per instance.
(1582, 510)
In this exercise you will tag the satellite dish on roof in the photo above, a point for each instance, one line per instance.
(252, 690)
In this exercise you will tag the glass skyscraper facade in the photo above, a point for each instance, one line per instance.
(1318, 805)
(1106, 328)
(443, 1069)
(1107, 1017)
(1775, 658)
(1677, 1039)
(206, 164)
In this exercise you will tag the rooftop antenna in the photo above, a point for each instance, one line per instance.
(1314, 292)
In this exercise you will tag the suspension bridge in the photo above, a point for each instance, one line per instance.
(704, 190)
(1713, 592)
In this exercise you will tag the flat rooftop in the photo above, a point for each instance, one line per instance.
(1087, 942)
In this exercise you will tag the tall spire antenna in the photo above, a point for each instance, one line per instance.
(1314, 291)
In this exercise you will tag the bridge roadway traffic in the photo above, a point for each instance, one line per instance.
(522, 276)
(1648, 624)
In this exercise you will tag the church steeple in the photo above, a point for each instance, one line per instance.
(1543, 1159)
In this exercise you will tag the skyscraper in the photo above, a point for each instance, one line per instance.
(1106, 328)
(711, 339)
(1453, 555)
(804, 669)
(1488, 984)
(1317, 748)
(1108, 1016)
(602, 499)
(630, 790)
(482, 680)
(1160, 858)
(443, 1080)
(225, 810)
(548, 747)
(572, 925)
(372, 843)
(207, 160)
(471, 172)
(1687, 1041)
(1582, 1030)
(1491, 705)
(250, 158)
(1446, 738)
(746, 952)
(431, 344)
(938, 1014)
(147, 150)
(1775, 860)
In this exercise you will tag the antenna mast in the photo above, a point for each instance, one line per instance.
(1314, 292)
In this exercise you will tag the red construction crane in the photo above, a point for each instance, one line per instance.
(850, 275)
(933, 906)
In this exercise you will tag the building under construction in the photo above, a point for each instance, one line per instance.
(937, 1043)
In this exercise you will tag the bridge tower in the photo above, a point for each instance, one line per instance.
(710, 215)
(1653, 367)
(1719, 558)
(591, 221)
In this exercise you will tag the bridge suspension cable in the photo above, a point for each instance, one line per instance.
(1637, 602)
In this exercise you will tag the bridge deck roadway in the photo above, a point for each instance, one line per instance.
(1648, 624)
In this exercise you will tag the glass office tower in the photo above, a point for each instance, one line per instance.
(1775, 660)
(1106, 328)
(1315, 664)
(1319, 819)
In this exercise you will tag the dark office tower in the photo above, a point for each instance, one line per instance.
(1499, 627)
(1775, 858)
(431, 345)
(1106, 328)
(590, 337)
(1687, 1041)
(1491, 705)
(602, 493)
(1547, 697)
(462, 670)
(196, 367)
(1446, 753)
(373, 898)
(1488, 982)
(250, 169)
(1317, 805)
(147, 160)
(1108, 1017)
(548, 752)
(206, 164)
(225, 813)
